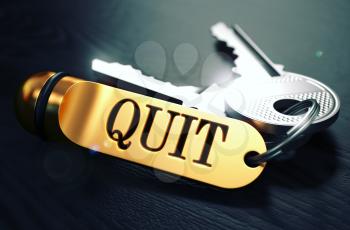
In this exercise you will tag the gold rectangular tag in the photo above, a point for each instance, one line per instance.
(160, 134)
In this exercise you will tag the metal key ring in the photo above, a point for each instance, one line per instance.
(313, 109)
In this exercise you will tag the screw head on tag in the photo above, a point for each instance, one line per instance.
(159, 134)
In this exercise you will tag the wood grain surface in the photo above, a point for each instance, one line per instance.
(56, 186)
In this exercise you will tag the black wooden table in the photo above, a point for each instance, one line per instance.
(53, 186)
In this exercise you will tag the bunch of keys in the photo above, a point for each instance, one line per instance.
(260, 96)
(213, 135)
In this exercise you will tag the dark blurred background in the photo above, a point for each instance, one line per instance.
(53, 186)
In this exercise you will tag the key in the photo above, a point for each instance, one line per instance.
(185, 94)
(260, 99)
(189, 96)
(264, 90)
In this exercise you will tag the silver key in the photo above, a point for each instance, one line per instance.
(186, 94)
(264, 89)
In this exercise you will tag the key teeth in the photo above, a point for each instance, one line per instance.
(129, 68)
(128, 72)
(216, 31)
(132, 69)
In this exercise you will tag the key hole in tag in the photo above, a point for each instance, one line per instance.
(282, 105)
(247, 161)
